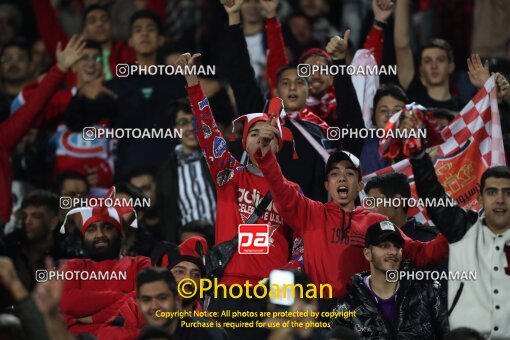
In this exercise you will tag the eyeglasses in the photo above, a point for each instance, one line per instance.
(9, 59)
(183, 122)
(91, 59)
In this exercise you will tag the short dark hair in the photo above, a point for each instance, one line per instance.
(18, 43)
(140, 171)
(42, 198)
(439, 43)
(285, 68)
(500, 171)
(201, 227)
(95, 7)
(146, 14)
(153, 274)
(463, 333)
(59, 181)
(390, 185)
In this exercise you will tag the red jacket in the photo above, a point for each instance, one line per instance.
(334, 239)
(239, 191)
(15, 127)
(100, 299)
(51, 33)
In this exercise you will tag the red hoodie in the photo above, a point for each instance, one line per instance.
(100, 299)
(239, 191)
(334, 239)
(15, 127)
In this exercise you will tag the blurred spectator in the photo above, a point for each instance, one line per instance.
(490, 28)
(354, 13)
(477, 244)
(10, 22)
(39, 237)
(145, 180)
(381, 306)
(388, 100)
(186, 190)
(300, 37)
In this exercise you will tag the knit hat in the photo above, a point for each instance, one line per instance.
(116, 215)
(192, 250)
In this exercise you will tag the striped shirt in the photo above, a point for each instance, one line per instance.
(196, 196)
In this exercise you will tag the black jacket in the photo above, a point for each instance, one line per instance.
(167, 190)
(453, 222)
(420, 313)
(144, 101)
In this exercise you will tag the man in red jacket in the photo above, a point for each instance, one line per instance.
(104, 280)
(16, 126)
(333, 233)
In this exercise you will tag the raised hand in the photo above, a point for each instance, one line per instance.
(9, 279)
(337, 46)
(382, 9)
(478, 73)
(269, 7)
(71, 53)
(187, 60)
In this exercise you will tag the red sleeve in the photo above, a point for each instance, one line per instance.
(276, 58)
(158, 6)
(210, 138)
(375, 40)
(78, 303)
(49, 26)
(425, 253)
(293, 206)
(15, 127)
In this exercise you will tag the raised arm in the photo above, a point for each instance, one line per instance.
(454, 221)
(404, 54)
(210, 138)
(236, 62)
(276, 57)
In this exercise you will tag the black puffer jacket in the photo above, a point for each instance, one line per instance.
(421, 315)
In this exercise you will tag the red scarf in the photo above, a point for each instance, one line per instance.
(324, 107)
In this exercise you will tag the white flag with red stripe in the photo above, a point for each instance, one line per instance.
(473, 143)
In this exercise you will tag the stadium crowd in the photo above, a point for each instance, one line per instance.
(269, 137)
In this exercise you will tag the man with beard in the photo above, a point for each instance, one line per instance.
(184, 262)
(86, 304)
(383, 304)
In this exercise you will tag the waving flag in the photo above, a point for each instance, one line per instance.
(473, 143)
